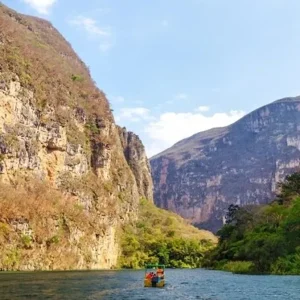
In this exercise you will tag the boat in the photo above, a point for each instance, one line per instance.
(154, 275)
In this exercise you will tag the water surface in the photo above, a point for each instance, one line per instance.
(181, 284)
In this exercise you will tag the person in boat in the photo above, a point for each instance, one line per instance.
(150, 275)
(160, 273)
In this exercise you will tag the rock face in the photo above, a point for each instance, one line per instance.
(200, 176)
(135, 154)
(57, 131)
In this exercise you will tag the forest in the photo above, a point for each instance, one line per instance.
(261, 239)
(160, 236)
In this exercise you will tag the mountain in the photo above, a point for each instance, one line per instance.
(66, 186)
(199, 177)
(71, 180)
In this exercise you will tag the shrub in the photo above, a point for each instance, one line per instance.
(77, 78)
(26, 241)
(239, 267)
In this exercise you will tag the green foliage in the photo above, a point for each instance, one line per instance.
(240, 267)
(289, 264)
(11, 259)
(91, 126)
(290, 188)
(267, 239)
(77, 77)
(26, 241)
(159, 237)
(4, 230)
(53, 240)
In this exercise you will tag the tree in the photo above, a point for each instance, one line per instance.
(290, 188)
(232, 214)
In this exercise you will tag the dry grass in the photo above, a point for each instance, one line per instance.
(38, 203)
(50, 219)
(45, 63)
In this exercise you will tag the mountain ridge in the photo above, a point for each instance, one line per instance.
(221, 129)
(195, 176)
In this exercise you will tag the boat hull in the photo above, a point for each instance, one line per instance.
(150, 283)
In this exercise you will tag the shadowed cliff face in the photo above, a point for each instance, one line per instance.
(62, 153)
(135, 154)
(200, 176)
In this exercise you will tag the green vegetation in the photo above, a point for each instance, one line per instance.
(26, 241)
(162, 237)
(240, 267)
(77, 77)
(263, 239)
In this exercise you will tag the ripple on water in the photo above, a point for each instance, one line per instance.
(181, 284)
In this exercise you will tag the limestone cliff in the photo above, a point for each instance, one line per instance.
(135, 154)
(66, 186)
(200, 176)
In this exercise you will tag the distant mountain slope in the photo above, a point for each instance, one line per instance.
(200, 176)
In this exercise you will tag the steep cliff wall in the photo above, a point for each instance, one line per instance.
(135, 154)
(66, 187)
(200, 176)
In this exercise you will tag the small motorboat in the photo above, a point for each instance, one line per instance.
(154, 275)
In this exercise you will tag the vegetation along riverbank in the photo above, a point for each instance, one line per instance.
(261, 239)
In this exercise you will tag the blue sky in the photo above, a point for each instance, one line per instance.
(171, 68)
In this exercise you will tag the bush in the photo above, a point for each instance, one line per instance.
(77, 78)
(239, 267)
(26, 241)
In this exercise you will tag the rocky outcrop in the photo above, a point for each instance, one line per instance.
(200, 176)
(59, 144)
(135, 154)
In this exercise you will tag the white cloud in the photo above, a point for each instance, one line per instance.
(171, 127)
(203, 108)
(90, 26)
(42, 6)
(181, 96)
(101, 34)
(134, 114)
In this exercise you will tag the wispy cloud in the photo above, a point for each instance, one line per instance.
(90, 26)
(134, 114)
(42, 6)
(102, 34)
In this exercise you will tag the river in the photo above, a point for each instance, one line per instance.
(181, 284)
